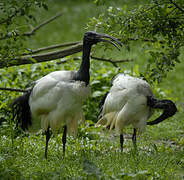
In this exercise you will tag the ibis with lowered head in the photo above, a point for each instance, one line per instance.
(130, 101)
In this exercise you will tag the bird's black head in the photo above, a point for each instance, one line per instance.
(167, 105)
(92, 37)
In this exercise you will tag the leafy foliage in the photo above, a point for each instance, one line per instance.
(159, 25)
(15, 17)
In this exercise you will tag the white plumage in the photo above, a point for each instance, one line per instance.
(130, 102)
(126, 104)
(57, 100)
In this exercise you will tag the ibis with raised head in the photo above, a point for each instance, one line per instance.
(55, 101)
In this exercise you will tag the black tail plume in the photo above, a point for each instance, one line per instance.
(21, 110)
(167, 105)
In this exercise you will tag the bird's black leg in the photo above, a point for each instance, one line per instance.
(47, 141)
(134, 138)
(64, 139)
(121, 141)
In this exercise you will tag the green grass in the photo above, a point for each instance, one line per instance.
(89, 157)
(93, 154)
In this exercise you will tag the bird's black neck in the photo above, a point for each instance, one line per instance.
(83, 72)
(167, 105)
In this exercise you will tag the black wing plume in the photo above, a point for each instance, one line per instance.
(21, 110)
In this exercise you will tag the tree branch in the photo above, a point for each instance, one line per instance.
(30, 59)
(13, 89)
(52, 47)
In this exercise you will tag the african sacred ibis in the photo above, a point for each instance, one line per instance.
(56, 99)
(131, 101)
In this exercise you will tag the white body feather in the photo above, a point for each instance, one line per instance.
(57, 100)
(126, 104)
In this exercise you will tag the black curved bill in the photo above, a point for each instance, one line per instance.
(112, 40)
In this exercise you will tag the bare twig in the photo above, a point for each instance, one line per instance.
(176, 5)
(34, 29)
(42, 24)
(13, 89)
(52, 47)
(113, 62)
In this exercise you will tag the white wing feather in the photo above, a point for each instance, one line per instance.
(126, 104)
(57, 100)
